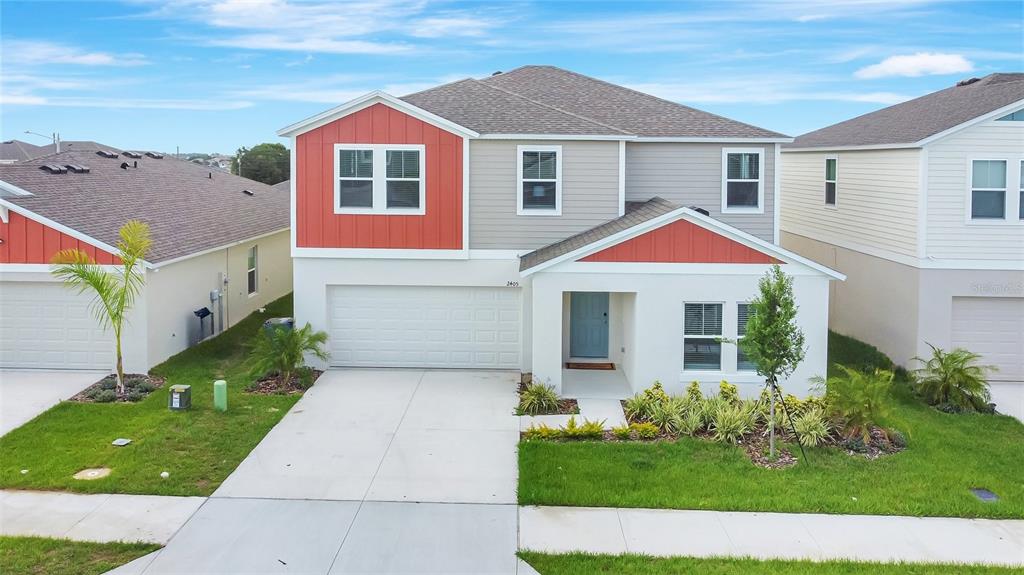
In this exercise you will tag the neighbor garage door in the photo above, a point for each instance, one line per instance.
(994, 328)
(46, 325)
(390, 326)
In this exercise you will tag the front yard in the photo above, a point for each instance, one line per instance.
(584, 564)
(947, 456)
(41, 556)
(198, 448)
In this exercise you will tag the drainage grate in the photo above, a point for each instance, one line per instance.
(984, 494)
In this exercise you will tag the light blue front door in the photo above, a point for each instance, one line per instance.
(588, 324)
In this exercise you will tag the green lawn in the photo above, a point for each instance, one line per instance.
(199, 448)
(583, 564)
(41, 556)
(947, 455)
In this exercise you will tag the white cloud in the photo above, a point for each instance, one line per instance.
(41, 52)
(211, 104)
(300, 43)
(919, 64)
(769, 91)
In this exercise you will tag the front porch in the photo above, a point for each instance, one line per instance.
(595, 384)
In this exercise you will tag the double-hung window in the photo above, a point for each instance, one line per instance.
(742, 180)
(539, 171)
(251, 274)
(702, 336)
(830, 181)
(379, 178)
(988, 189)
(743, 363)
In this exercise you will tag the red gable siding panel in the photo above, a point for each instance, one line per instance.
(681, 242)
(319, 227)
(27, 241)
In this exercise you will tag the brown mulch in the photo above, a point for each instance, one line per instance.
(756, 446)
(275, 384)
(565, 406)
(131, 380)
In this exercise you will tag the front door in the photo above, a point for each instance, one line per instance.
(588, 324)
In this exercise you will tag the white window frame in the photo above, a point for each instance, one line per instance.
(254, 270)
(380, 179)
(760, 181)
(720, 337)
(741, 337)
(834, 182)
(519, 181)
(1007, 203)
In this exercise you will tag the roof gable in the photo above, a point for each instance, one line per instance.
(681, 241)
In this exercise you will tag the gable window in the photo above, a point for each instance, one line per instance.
(251, 273)
(830, 181)
(379, 178)
(988, 189)
(742, 180)
(702, 333)
(540, 180)
(743, 363)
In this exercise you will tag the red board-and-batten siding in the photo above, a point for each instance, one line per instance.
(317, 224)
(681, 242)
(27, 241)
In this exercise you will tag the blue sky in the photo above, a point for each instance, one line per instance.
(212, 75)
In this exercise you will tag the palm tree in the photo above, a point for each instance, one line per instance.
(954, 378)
(114, 292)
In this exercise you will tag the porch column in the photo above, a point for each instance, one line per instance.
(547, 333)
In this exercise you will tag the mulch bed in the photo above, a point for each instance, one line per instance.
(137, 387)
(275, 384)
(565, 406)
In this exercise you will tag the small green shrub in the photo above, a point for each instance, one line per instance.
(729, 423)
(145, 386)
(812, 428)
(693, 392)
(709, 406)
(728, 392)
(752, 412)
(897, 439)
(105, 396)
(282, 351)
(656, 393)
(645, 431)
(639, 407)
(860, 401)
(667, 415)
(692, 421)
(537, 399)
(306, 379)
(622, 432)
(542, 431)
(954, 378)
(134, 395)
(587, 430)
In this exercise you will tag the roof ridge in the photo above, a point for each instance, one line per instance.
(645, 94)
(557, 109)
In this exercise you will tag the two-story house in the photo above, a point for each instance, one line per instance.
(921, 204)
(539, 219)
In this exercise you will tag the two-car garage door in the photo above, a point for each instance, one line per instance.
(994, 328)
(46, 325)
(416, 326)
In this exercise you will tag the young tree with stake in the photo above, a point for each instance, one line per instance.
(114, 292)
(773, 340)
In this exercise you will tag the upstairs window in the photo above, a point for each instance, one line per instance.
(251, 273)
(702, 334)
(540, 180)
(830, 181)
(743, 363)
(743, 180)
(988, 189)
(379, 178)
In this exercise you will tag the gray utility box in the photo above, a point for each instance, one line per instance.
(279, 322)
(180, 397)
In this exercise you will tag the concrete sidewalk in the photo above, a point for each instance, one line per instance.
(102, 518)
(771, 535)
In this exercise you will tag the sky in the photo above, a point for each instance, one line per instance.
(213, 75)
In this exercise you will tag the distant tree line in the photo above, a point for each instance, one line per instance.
(267, 163)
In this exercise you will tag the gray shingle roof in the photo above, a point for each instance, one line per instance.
(18, 151)
(914, 120)
(188, 212)
(550, 100)
(636, 214)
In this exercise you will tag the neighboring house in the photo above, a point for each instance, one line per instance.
(209, 236)
(17, 151)
(921, 204)
(540, 217)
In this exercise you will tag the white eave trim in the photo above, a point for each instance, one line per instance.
(367, 100)
(633, 138)
(591, 137)
(791, 150)
(164, 263)
(696, 218)
(15, 190)
(697, 140)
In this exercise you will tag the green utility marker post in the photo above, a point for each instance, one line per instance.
(220, 395)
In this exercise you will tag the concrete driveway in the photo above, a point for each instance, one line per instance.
(25, 394)
(372, 471)
(1009, 398)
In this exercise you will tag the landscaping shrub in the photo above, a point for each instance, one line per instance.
(105, 396)
(729, 423)
(646, 431)
(753, 413)
(622, 432)
(542, 431)
(709, 407)
(587, 430)
(656, 393)
(639, 407)
(812, 427)
(537, 399)
(728, 392)
(692, 421)
(954, 379)
(693, 392)
(667, 415)
(861, 401)
(280, 351)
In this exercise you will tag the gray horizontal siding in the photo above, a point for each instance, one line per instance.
(590, 194)
(690, 174)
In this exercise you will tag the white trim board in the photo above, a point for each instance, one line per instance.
(381, 253)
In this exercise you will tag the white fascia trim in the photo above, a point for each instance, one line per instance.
(41, 268)
(15, 190)
(5, 215)
(622, 177)
(922, 203)
(993, 114)
(380, 253)
(59, 227)
(696, 218)
(291, 191)
(776, 193)
(792, 150)
(496, 254)
(613, 137)
(970, 264)
(163, 263)
(367, 100)
(465, 193)
(674, 268)
(696, 140)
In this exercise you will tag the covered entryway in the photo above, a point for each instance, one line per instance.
(418, 326)
(45, 325)
(994, 328)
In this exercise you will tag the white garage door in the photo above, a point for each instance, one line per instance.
(392, 326)
(994, 328)
(46, 325)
